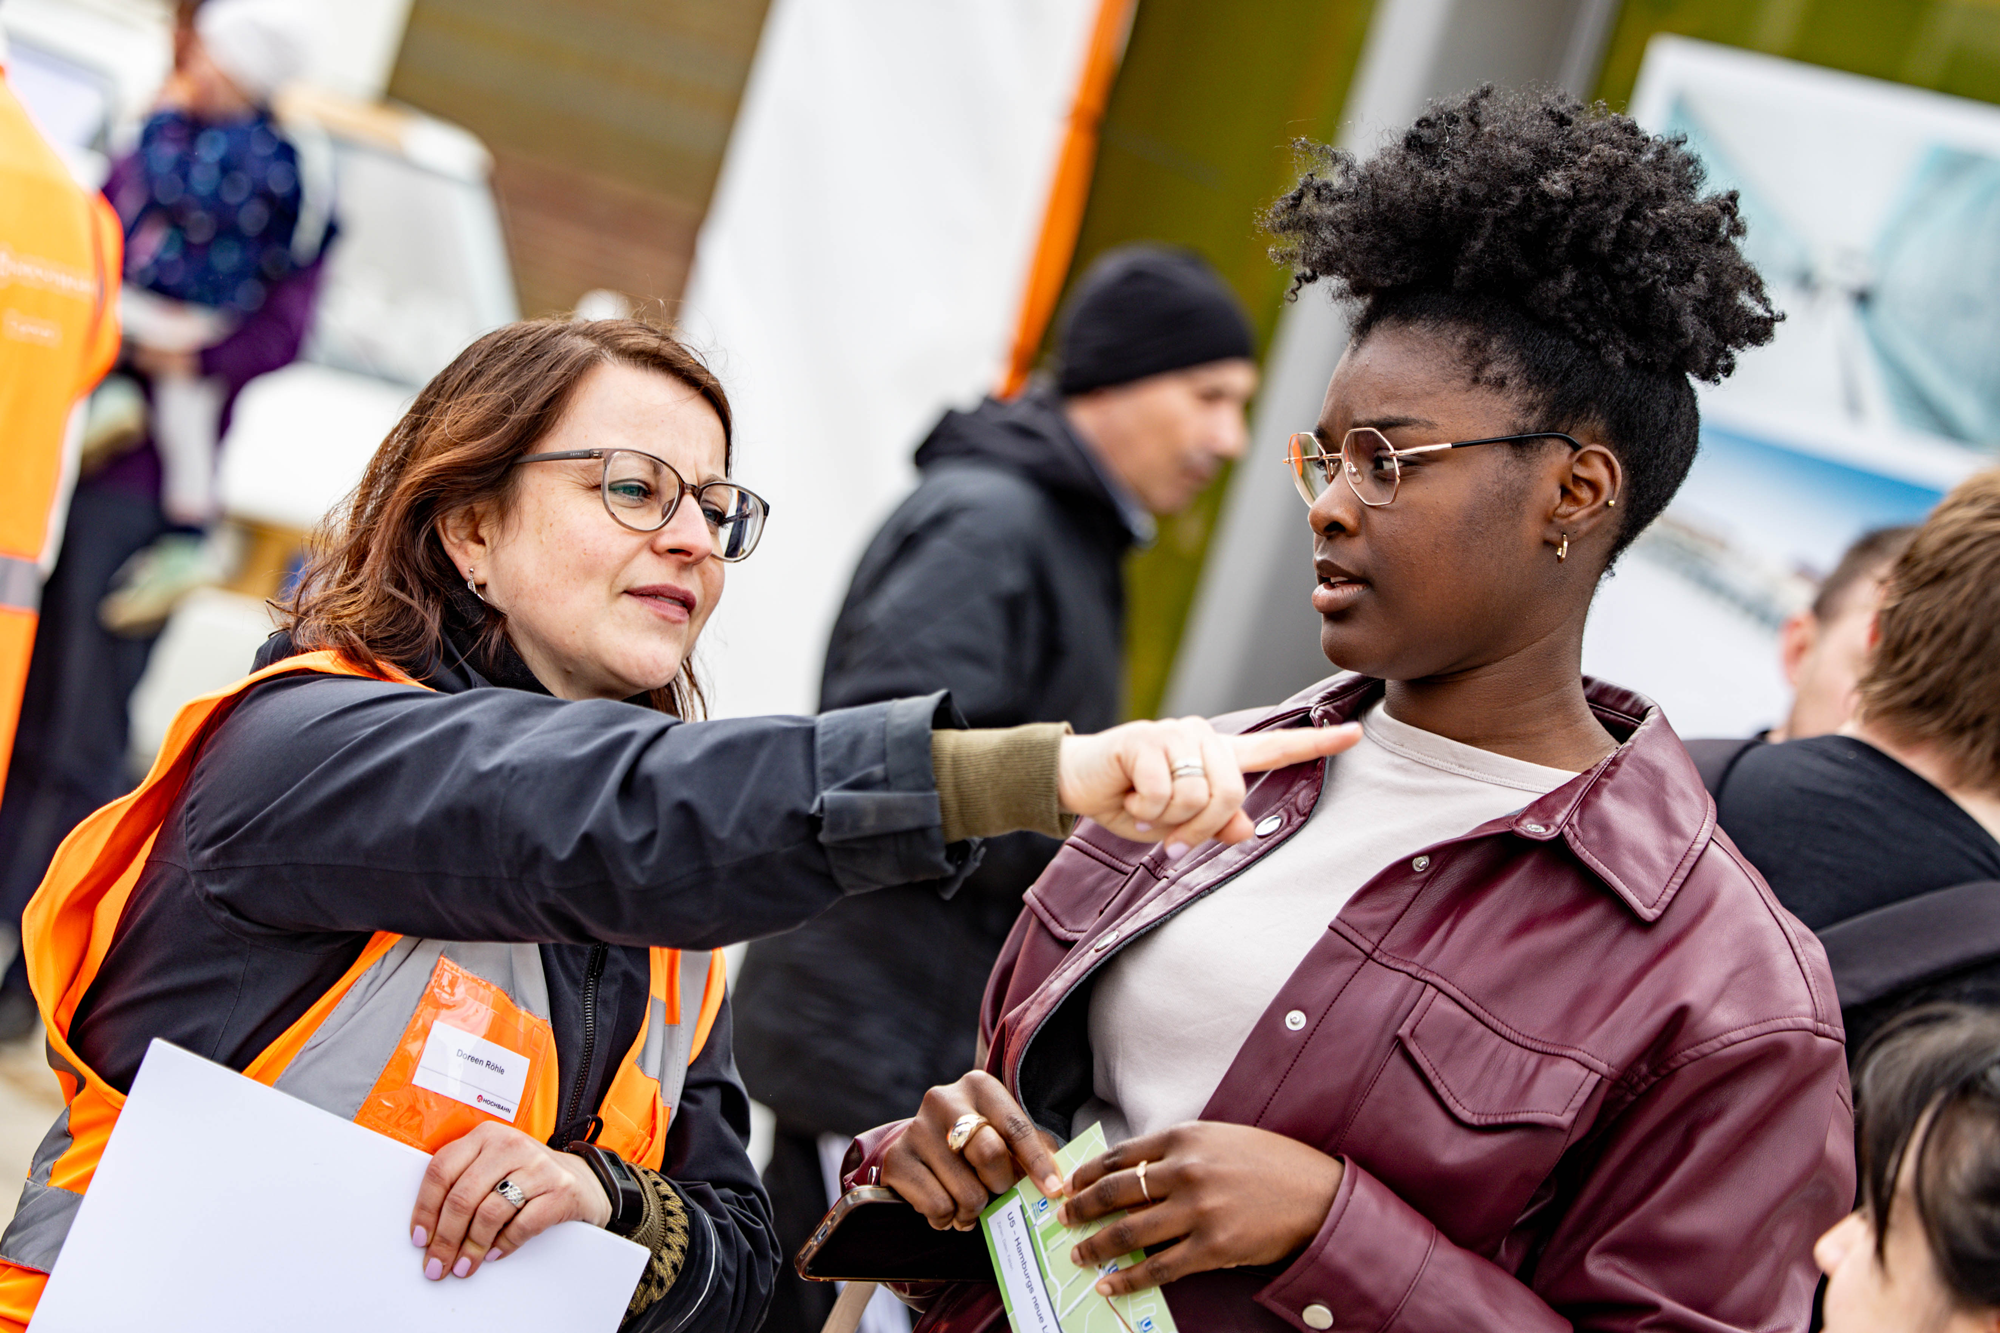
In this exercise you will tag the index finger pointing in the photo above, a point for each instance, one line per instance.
(1294, 745)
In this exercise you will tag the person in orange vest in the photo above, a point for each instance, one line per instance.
(60, 249)
(461, 804)
(208, 165)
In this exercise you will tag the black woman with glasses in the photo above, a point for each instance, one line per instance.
(457, 860)
(1488, 1030)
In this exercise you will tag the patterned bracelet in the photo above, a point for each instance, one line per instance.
(664, 1232)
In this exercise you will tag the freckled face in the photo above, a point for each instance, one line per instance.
(1456, 572)
(595, 609)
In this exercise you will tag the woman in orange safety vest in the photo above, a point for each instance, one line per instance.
(455, 813)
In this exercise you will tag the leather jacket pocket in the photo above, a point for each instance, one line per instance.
(1468, 1123)
(1486, 1079)
(1090, 874)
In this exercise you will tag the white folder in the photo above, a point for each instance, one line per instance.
(223, 1206)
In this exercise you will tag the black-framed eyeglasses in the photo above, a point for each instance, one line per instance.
(1372, 465)
(642, 492)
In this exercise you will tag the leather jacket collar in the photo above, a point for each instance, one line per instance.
(1632, 818)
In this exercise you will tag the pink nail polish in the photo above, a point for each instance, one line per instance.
(433, 1269)
(493, 1255)
(462, 1267)
(420, 1238)
(1176, 850)
(1142, 827)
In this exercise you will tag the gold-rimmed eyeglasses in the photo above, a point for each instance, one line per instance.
(642, 492)
(1372, 465)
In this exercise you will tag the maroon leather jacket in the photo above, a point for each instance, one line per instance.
(1581, 1067)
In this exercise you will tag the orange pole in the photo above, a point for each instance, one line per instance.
(1069, 191)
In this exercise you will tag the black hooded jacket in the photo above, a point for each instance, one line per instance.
(1000, 578)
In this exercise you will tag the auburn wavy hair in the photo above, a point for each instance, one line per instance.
(377, 579)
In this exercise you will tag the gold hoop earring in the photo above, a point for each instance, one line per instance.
(1562, 552)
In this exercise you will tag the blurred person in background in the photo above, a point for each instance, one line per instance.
(1000, 578)
(1822, 650)
(1486, 1031)
(1884, 837)
(223, 254)
(211, 200)
(60, 245)
(1922, 1252)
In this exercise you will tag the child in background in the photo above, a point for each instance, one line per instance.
(1922, 1253)
(132, 545)
(212, 204)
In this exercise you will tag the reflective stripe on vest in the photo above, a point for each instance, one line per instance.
(20, 584)
(339, 1061)
(333, 1054)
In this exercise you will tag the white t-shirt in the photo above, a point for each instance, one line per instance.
(1170, 1012)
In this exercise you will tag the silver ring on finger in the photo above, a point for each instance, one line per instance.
(1189, 768)
(511, 1192)
(1142, 1182)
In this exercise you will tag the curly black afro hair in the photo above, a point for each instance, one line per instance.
(1573, 251)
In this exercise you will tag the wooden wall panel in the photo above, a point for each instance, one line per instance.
(607, 119)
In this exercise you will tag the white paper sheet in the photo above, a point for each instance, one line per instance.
(222, 1206)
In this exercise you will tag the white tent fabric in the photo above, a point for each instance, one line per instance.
(861, 268)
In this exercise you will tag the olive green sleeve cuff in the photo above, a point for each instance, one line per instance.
(991, 782)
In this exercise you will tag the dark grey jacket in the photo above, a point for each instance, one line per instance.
(326, 808)
(1000, 578)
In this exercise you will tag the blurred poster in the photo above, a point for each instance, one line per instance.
(1874, 216)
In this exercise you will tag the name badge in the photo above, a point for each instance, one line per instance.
(482, 1074)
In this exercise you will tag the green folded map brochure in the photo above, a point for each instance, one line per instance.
(1044, 1291)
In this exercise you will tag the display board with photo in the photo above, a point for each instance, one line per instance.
(1874, 214)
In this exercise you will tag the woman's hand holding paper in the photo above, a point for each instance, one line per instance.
(462, 1219)
(1229, 1194)
(951, 1187)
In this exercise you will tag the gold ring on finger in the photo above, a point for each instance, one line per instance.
(962, 1130)
(1189, 768)
(1142, 1182)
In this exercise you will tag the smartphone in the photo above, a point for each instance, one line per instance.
(871, 1235)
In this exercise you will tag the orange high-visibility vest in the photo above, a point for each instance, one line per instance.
(60, 252)
(397, 1000)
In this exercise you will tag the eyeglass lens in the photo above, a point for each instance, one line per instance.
(641, 493)
(1370, 463)
(1366, 458)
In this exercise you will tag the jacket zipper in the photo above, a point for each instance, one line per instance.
(599, 953)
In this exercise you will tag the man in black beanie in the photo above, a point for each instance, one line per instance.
(1001, 579)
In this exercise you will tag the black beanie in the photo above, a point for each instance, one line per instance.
(1143, 310)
